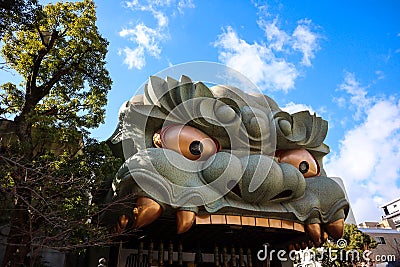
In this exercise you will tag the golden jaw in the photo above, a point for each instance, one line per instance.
(147, 211)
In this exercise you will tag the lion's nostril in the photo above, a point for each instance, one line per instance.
(234, 187)
(283, 194)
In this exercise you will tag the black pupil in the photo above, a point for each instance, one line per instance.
(196, 148)
(303, 167)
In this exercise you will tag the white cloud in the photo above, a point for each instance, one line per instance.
(276, 37)
(134, 58)
(340, 101)
(292, 107)
(132, 4)
(368, 159)
(162, 19)
(256, 61)
(305, 41)
(184, 4)
(145, 4)
(365, 209)
(363, 142)
(266, 64)
(144, 37)
(148, 40)
(358, 94)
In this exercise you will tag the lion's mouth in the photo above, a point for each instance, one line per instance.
(187, 208)
(192, 229)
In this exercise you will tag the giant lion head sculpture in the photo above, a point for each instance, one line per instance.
(204, 162)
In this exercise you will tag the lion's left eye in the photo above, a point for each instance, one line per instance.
(188, 141)
(301, 159)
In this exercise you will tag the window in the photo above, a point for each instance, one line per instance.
(385, 210)
(380, 240)
(396, 220)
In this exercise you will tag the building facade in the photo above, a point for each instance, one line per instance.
(391, 212)
(388, 250)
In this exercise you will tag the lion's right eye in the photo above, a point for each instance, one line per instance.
(188, 141)
(301, 159)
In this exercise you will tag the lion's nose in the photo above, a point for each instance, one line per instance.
(223, 172)
(254, 178)
(264, 180)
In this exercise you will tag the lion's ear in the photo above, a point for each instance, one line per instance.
(300, 130)
(169, 93)
(120, 145)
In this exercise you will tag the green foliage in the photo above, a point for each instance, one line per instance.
(62, 63)
(51, 173)
(11, 99)
(357, 239)
(351, 253)
(16, 14)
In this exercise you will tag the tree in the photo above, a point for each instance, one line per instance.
(63, 203)
(44, 122)
(349, 250)
(16, 14)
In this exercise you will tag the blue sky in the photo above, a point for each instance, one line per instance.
(340, 59)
